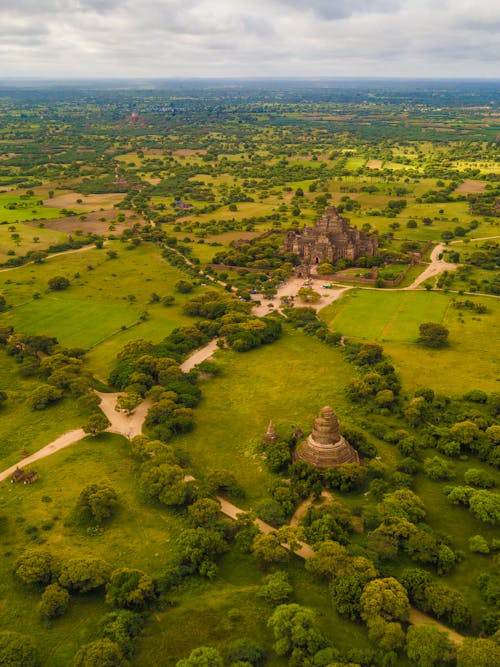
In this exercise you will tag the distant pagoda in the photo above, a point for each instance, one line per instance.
(326, 447)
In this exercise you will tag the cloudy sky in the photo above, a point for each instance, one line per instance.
(232, 38)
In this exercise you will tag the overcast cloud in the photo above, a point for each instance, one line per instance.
(201, 38)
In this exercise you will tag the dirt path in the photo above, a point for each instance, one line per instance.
(49, 257)
(416, 617)
(303, 507)
(198, 356)
(291, 289)
(436, 267)
(56, 445)
(127, 425)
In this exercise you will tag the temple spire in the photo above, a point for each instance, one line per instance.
(326, 447)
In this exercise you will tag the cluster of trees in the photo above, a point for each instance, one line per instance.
(378, 385)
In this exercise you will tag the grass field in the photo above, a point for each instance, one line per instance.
(100, 301)
(288, 382)
(393, 318)
(139, 536)
(23, 429)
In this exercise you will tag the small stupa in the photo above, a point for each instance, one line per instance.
(271, 436)
(326, 447)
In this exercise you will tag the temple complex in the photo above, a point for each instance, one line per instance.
(326, 447)
(331, 239)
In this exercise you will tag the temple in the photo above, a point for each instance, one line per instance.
(326, 447)
(331, 239)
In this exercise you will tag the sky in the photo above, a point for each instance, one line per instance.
(250, 38)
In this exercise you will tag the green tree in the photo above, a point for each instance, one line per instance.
(385, 598)
(184, 286)
(101, 653)
(58, 283)
(54, 601)
(122, 627)
(433, 335)
(294, 629)
(478, 653)
(485, 506)
(97, 503)
(84, 574)
(36, 566)
(276, 588)
(43, 396)
(203, 656)
(427, 646)
(267, 549)
(131, 589)
(17, 650)
(97, 423)
(204, 513)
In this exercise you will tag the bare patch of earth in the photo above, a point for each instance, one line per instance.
(186, 152)
(84, 202)
(374, 164)
(92, 224)
(470, 187)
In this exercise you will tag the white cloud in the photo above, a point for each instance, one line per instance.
(168, 38)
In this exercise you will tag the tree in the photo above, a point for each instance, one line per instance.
(345, 592)
(58, 283)
(97, 503)
(485, 506)
(97, 423)
(43, 396)
(308, 295)
(198, 547)
(184, 286)
(427, 646)
(101, 653)
(122, 627)
(131, 589)
(295, 632)
(204, 513)
(16, 650)
(84, 574)
(478, 545)
(478, 653)
(276, 588)
(164, 482)
(204, 656)
(433, 335)
(3, 303)
(267, 549)
(36, 567)
(54, 601)
(246, 652)
(385, 598)
(3, 397)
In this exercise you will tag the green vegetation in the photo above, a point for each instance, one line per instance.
(129, 242)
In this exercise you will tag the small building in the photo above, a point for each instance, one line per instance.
(17, 476)
(31, 477)
(326, 447)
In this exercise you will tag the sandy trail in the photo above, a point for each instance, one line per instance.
(198, 356)
(49, 257)
(63, 441)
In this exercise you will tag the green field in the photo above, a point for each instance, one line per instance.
(288, 382)
(393, 318)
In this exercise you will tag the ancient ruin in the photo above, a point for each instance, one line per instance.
(270, 436)
(331, 239)
(326, 447)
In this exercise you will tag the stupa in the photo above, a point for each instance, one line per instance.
(271, 436)
(326, 447)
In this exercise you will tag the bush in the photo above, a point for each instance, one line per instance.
(101, 653)
(478, 545)
(54, 602)
(16, 650)
(131, 589)
(36, 567)
(58, 283)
